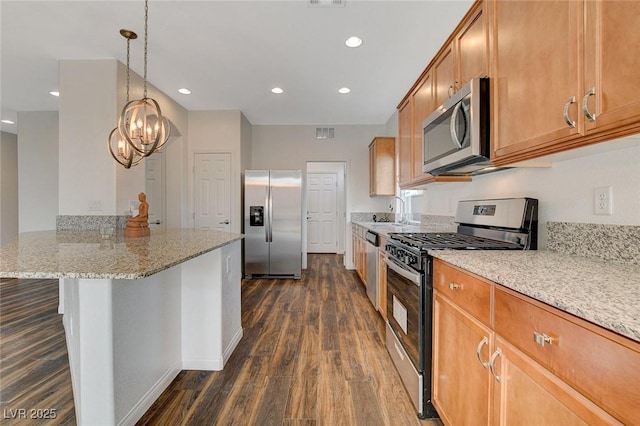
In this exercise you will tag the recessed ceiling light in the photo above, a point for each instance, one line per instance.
(54, 93)
(344, 90)
(184, 91)
(277, 90)
(353, 41)
(7, 122)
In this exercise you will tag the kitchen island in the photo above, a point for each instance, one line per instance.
(137, 311)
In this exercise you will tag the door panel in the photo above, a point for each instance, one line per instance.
(256, 246)
(285, 251)
(155, 189)
(213, 191)
(322, 205)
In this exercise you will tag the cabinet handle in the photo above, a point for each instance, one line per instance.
(492, 362)
(450, 92)
(571, 123)
(542, 338)
(483, 342)
(585, 106)
(454, 286)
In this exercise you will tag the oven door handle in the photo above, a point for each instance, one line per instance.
(399, 269)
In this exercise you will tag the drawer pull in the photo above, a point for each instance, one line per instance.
(454, 286)
(492, 362)
(541, 338)
(483, 342)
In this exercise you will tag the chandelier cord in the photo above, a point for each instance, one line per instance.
(128, 43)
(146, 28)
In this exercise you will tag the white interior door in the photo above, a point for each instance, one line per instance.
(154, 189)
(212, 191)
(322, 213)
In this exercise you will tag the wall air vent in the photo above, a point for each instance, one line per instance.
(326, 3)
(325, 132)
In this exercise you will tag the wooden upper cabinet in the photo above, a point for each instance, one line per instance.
(382, 166)
(423, 105)
(536, 75)
(405, 158)
(444, 76)
(612, 65)
(472, 47)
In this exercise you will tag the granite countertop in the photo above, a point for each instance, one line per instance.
(602, 292)
(83, 254)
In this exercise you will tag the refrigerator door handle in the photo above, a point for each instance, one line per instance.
(270, 209)
(267, 215)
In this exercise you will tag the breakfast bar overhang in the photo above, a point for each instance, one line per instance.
(136, 311)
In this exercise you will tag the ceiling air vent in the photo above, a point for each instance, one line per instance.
(325, 133)
(326, 3)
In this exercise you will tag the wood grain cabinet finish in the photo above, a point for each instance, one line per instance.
(405, 143)
(359, 251)
(602, 366)
(423, 102)
(444, 76)
(382, 166)
(461, 384)
(472, 46)
(544, 366)
(610, 101)
(572, 84)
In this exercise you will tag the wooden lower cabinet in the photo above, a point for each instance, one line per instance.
(359, 251)
(497, 373)
(461, 384)
(527, 393)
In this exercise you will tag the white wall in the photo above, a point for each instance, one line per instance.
(93, 93)
(88, 112)
(8, 187)
(38, 170)
(290, 147)
(217, 132)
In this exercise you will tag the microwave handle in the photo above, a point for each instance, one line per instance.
(452, 128)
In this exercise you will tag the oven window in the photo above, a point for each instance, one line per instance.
(403, 313)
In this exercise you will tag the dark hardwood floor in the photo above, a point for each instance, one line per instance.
(312, 354)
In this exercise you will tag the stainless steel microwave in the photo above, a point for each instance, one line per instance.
(456, 137)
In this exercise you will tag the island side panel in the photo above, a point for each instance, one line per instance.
(211, 308)
(147, 351)
(88, 328)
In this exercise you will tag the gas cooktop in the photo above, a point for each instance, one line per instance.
(451, 240)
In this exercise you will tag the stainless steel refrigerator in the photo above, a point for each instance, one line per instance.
(273, 223)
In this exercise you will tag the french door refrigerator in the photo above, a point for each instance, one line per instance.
(273, 223)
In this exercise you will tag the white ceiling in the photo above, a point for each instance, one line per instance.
(231, 53)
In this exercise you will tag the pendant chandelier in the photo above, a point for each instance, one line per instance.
(141, 130)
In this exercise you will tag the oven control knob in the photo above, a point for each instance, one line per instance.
(412, 260)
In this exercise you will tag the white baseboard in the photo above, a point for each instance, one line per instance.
(150, 397)
(213, 364)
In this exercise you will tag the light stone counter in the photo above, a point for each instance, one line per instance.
(604, 293)
(384, 228)
(83, 254)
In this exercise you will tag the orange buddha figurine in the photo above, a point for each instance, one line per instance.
(138, 226)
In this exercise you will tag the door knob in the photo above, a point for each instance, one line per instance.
(157, 222)
(226, 222)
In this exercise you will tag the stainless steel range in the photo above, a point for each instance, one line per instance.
(502, 224)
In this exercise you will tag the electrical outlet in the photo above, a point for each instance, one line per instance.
(603, 200)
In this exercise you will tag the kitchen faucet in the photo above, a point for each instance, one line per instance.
(402, 209)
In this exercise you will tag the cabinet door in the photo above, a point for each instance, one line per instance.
(527, 393)
(536, 75)
(612, 65)
(472, 51)
(405, 142)
(423, 105)
(372, 170)
(444, 79)
(461, 383)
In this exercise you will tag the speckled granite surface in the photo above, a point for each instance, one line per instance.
(83, 254)
(368, 217)
(85, 223)
(604, 293)
(614, 243)
(386, 228)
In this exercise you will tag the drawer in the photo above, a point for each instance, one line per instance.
(601, 365)
(469, 292)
